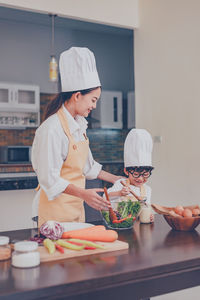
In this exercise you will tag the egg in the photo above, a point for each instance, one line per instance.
(187, 213)
(196, 212)
(179, 210)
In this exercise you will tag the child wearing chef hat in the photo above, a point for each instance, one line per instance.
(138, 167)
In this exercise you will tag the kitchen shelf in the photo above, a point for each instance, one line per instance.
(19, 120)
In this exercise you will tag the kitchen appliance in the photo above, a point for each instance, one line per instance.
(130, 109)
(108, 113)
(15, 155)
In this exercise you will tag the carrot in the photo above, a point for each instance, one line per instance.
(120, 221)
(112, 214)
(59, 248)
(98, 235)
(68, 234)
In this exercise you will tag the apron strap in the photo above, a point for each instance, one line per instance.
(64, 122)
(38, 187)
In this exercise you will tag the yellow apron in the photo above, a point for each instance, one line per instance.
(67, 208)
(142, 192)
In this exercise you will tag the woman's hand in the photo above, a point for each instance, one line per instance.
(90, 196)
(125, 191)
(94, 200)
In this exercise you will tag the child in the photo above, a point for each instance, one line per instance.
(138, 167)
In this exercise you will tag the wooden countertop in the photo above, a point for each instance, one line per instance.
(159, 260)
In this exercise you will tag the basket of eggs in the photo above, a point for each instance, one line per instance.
(184, 218)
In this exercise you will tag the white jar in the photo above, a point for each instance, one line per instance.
(145, 215)
(25, 255)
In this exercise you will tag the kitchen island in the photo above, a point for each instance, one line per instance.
(158, 261)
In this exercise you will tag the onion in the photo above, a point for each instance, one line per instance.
(52, 230)
(37, 239)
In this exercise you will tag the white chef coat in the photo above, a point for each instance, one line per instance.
(117, 186)
(49, 151)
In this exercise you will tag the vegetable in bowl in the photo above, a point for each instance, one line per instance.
(126, 213)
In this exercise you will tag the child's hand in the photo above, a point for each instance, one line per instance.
(152, 218)
(125, 191)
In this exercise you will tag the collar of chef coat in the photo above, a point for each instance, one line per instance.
(76, 123)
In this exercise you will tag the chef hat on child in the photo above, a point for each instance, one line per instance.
(138, 148)
(78, 70)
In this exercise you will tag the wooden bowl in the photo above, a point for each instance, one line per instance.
(182, 223)
(175, 221)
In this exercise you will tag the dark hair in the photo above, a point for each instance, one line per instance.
(54, 105)
(139, 169)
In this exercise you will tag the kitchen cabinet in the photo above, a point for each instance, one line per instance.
(19, 106)
(108, 113)
(19, 97)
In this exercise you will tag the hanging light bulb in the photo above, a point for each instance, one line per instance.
(53, 65)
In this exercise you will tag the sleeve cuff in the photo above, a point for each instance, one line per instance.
(94, 171)
(57, 189)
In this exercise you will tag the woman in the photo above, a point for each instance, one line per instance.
(61, 156)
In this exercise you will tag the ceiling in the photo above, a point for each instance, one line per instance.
(15, 15)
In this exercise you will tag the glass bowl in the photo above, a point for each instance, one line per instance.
(126, 212)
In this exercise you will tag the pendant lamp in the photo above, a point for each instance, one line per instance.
(53, 65)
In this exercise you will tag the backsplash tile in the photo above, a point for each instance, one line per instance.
(107, 145)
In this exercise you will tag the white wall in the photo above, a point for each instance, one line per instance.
(16, 209)
(112, 12)
(167, 74)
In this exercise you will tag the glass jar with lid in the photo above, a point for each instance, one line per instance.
(5, 250)
(145, 214)
(26, 254)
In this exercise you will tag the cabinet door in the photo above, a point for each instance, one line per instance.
(6, 95)
(111, 109)
(26, 97)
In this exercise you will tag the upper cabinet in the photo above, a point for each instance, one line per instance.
(19, 97)
(19, 106)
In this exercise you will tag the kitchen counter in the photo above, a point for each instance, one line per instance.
(158, 261)
(17, 175)
(18, 181)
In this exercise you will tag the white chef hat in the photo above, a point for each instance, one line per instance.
(78, 70)
(138, 148)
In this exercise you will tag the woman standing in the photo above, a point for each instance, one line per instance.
(61, 156)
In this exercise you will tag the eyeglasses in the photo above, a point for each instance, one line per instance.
(138, 174)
